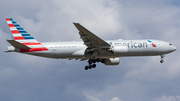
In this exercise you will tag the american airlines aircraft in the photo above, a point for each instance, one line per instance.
(91, 48)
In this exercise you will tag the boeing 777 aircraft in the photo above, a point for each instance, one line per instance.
(91, 48)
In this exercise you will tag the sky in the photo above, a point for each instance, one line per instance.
(30, 78)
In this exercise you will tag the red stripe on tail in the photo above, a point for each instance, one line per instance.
(7, 19)
(11, 25)
(14, 31)
(19, 38)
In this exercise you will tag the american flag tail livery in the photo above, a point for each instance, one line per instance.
(22, 39)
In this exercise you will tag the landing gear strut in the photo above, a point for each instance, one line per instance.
(92, 63)
(162, 56)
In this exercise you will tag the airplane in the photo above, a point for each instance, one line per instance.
(91, 48)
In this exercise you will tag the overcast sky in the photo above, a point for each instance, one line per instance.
(31, 78)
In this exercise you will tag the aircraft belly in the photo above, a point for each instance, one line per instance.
(148, 51)
(40, 53)
(67, 53)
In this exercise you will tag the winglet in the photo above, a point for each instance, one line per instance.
(18, 44)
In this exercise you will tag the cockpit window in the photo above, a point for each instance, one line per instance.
(170, 44)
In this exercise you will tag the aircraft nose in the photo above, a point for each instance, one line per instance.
(173, 48)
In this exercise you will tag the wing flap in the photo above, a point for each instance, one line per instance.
(18, 44)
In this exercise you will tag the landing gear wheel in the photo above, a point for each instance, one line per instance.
(94, 61)
(161, 61)
(90, 61)
(98, 60)
(86, 68)
(90, 66)
(94, 65)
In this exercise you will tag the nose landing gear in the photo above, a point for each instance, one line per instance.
(161, 61)
(162, 56)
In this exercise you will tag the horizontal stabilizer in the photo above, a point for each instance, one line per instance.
(18, 44)
(7, 51)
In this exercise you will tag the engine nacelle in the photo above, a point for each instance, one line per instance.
(111, 61)
(119, 49)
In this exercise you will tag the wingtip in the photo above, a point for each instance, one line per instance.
(75, 23)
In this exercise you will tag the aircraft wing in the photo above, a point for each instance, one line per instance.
(95, 44)
(90, 39)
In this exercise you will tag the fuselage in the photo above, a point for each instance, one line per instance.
(76, 49)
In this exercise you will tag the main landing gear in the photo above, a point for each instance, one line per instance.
(162, 56)
(92, 63)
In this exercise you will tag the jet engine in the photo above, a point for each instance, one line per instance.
(110, 61)
(119, 49)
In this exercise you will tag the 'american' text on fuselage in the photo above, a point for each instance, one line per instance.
(133, 44)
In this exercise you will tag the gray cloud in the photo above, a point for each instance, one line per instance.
(168, 98)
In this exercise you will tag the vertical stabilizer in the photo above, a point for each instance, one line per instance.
(21, 35)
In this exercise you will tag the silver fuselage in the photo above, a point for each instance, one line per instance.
(76, 49)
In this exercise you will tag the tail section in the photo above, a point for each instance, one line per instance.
(23, 41)
(20, 35)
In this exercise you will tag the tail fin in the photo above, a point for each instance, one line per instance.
(21, 35)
